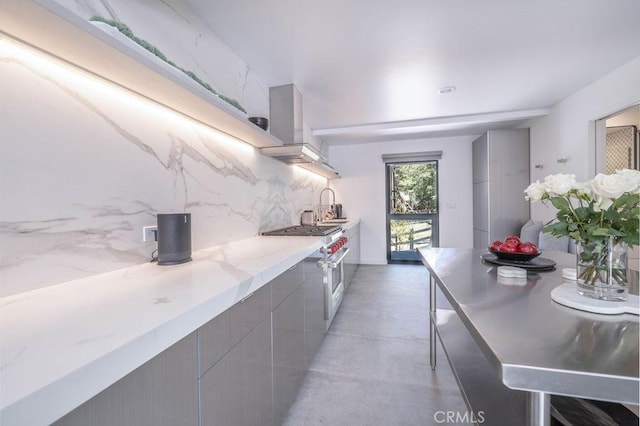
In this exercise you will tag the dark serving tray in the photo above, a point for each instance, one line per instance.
(536, 264)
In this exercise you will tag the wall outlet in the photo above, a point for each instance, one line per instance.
(150, 233)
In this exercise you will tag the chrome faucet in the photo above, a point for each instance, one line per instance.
(331, 206)
(332, 193)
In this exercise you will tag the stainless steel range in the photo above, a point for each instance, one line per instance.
(304, 231)
(330, 258)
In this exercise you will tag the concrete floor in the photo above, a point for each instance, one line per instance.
(373, 366)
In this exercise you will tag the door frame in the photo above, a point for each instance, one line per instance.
(434, 217)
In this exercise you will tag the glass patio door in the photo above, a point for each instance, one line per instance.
(412, 209)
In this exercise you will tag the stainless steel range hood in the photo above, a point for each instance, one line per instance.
(285, 121)
(293, 154)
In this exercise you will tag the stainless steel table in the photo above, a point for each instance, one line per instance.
(531, 343)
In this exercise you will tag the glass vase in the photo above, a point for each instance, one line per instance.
(602, 269)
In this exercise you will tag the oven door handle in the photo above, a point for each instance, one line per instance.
(335, 264)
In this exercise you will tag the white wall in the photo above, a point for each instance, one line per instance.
(362, 190)
(569, 129)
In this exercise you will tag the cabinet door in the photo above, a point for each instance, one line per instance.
(219, 335)
(237, 389)
(355, 247)
(500, 176)
(213, 341)
(353, 258)
(480, 159)
(248, 313)
(508, 176)
(348, 261)
(285, 284)
(481, 239)
(164, 391)
(314, 299)
(288, 352)
(481, 207)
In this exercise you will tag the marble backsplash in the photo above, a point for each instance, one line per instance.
(84, 167)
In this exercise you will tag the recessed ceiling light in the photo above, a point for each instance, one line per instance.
(446, 89)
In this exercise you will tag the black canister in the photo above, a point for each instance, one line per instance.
(338, 211)
(174, 238)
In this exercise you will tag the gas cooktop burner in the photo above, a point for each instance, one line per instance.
(303, 231)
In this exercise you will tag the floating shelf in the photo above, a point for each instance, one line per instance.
(53, 29)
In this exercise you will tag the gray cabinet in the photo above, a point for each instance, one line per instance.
(237, 389)
(352, 260)
(244, 367)
(252, 356)
(287, 318)
(219, 335)
(500, 175)
(284, 284)
(163, 391)
(235, 363)
(315, 325)
(288, 352)
(213, 341)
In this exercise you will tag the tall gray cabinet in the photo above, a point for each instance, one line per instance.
(500, 175)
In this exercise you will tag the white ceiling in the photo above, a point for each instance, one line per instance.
(370, 70)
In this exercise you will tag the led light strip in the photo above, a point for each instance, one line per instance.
(74, 76)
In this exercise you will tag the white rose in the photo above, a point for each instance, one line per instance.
(535, 191)
(610, 186)
(560, 184)
(632, 177)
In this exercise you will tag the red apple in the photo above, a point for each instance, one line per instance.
(495, 246)
(509, 248)
(527, 248)
(512, 238)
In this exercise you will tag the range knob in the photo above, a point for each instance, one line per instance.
(333, 248)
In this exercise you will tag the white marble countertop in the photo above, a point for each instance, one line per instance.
(63, 344)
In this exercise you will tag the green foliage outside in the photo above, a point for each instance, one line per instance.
(124, 29)
(414, 188)
(414, 191)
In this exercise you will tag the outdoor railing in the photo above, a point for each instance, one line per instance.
(412, 242)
